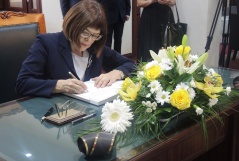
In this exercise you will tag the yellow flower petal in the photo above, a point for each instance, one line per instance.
(180, 99)
(179, 50)
(199, 85)
(153, 72)
(217, 89)
(218, 80)
(130, 94)
(187, 50)
(208, 88)
(127, 82)
(124, 96)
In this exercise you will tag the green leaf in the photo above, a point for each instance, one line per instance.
(169, 109)
(185, 77)
(170, 88)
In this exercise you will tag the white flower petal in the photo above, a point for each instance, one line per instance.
(116, 116)
(212, 101)
(162, 97)
(199, 111)
(228, 90)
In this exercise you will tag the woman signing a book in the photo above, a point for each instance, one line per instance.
(78, 51)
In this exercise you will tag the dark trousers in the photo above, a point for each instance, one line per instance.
(116, 30)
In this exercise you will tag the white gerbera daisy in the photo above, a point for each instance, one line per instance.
(162, 97)
(155, 86)
(115, 116)
(181, 86)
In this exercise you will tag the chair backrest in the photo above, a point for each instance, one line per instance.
(15, 41)
(12, 18)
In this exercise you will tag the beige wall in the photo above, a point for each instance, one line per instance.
(198, 14)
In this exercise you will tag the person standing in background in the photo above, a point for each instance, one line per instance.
(154, 14)
(117, 12)
(66, 5)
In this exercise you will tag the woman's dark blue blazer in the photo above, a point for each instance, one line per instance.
(50, 59)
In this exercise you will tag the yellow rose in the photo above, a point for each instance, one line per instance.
(153, 72)
(180, 99)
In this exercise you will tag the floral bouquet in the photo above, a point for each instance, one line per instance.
(174, 82)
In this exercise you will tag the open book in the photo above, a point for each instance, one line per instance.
(98, 96)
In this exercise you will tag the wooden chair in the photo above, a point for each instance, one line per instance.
(15, 41)
(12, 18)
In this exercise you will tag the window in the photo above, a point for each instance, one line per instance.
(27, 6)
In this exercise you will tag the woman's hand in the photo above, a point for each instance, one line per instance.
(107, 79)
(172, 3)
(69, 86)
(167, 2)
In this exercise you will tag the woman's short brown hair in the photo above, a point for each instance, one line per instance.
(86, 13)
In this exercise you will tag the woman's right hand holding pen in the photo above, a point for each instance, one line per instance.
(70, 86)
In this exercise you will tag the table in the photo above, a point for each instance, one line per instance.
(23, 137)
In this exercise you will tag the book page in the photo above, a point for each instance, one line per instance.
(98, 96)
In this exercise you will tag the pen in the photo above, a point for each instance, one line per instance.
(47, 114)
(57, 110)
(72, 75)
(83, 118)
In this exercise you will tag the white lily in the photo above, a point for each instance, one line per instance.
(161, 54)
(193, 67)
(181, 64)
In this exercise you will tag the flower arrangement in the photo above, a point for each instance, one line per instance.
(174, 82)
